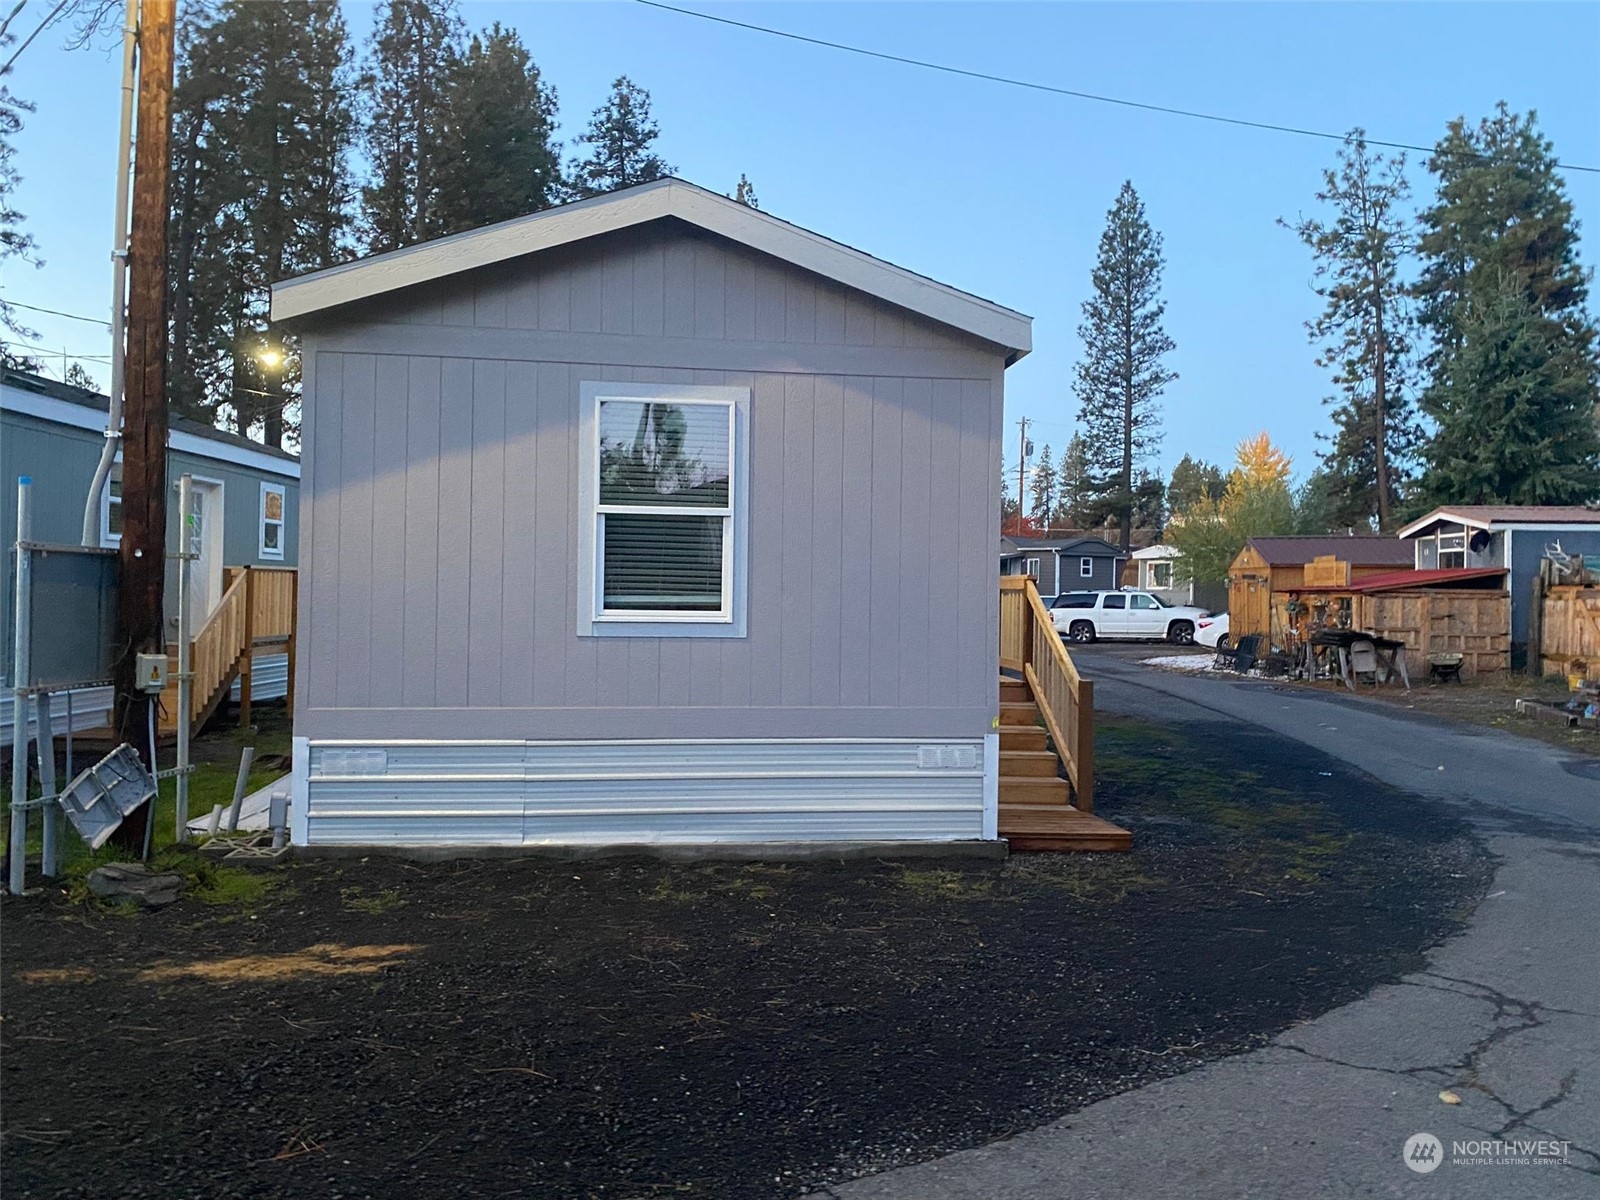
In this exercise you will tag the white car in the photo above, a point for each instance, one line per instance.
(1087, 616)
(1213, 631)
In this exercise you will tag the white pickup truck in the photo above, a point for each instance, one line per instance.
(1086, 616)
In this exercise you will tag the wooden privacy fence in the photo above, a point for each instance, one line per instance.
(1473, 624)
(1030, 644)
(1568, 630)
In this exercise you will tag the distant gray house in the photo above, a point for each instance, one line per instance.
(1064, 564)
(248, 495)
(651, 518)
(1513, 536)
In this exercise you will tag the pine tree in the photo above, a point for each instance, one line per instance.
(15, 242)
(261, 190)
(1504, 296)
(411, 63)
(745, 193)
(1363, 331)
(1074, 490)
(1194, 481)
(1042, 488)
(497, 155)
(1121, 374)
(620, 136)
(1515, 410)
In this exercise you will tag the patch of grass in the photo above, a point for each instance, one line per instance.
(669, 891)
(384, 900)
(203, 880)
(938, 883)
(1103, 878)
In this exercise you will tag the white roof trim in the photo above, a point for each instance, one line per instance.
(570, 223)
(1444, 514)
(64, 412)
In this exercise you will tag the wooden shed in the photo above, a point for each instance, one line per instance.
(651, 518)
(1269, 568)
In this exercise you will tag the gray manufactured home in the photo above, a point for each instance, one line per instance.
(249, 515)
(647, 519)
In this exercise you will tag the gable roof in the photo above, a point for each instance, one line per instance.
(1486, 516)
(1088, 545)
(1361, 550)
(446, 256)
(49, 400)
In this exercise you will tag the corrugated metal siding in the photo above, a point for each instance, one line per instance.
(440, 489)
(611, 793)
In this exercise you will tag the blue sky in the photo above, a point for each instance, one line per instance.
(990, 188)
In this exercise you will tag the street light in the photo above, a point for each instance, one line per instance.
(270, 359)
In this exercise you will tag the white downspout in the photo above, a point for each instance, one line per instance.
(119, 280)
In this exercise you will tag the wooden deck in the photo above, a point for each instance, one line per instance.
(1046, 735)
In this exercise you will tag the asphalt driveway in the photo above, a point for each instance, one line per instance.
(1503, 1018)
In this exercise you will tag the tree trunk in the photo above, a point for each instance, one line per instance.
(1379, 402)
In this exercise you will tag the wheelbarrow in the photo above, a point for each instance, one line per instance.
(1443, 668)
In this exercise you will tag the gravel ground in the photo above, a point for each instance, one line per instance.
(631, 1028)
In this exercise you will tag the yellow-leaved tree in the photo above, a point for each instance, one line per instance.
(1256, 503)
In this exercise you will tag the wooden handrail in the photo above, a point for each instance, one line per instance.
(218, 645)
(1030, 644)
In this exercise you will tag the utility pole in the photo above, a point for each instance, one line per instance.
(1022, 471)
(140, 618)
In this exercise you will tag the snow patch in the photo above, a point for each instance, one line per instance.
(1181, 662)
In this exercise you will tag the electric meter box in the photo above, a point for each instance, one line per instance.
(152, 673)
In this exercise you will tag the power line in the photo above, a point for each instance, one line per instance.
(1052, 89)
(43, 25)
(57, 313)
(58, 352)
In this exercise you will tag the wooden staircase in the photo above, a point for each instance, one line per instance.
(1046, 735)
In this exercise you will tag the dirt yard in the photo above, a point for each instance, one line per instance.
(630, 1028)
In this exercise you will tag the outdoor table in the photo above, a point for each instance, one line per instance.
(1334, 645)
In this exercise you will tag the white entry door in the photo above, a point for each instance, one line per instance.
(205, 542)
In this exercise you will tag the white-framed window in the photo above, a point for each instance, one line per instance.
(1086, 567)
(111, 507)
(663, 505)
(1033, 568)
(273, 521)
(1452, 549)
(1161, 575)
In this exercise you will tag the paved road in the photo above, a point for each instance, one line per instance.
(1507, 1014)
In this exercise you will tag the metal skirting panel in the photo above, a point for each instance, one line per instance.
(643, 792)
(91, 708)
(270, 678)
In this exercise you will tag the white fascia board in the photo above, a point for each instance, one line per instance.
(476, 248)
(62, 412)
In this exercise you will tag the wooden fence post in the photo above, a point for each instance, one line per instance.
(1535, 663)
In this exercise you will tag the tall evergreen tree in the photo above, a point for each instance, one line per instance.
(1074, 490)
(1502, 292)
(1363, 331)
(15, 242)
(1194, 481)
(1121, 374)
(1515, 410)
(497, 156)
(1042, 488)
(620, 138)
(411, 65)
(261, 191)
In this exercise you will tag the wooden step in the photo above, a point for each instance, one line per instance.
(1015, 691)
(1024, 790)
(1019, 714)
(1030, 763)
(1049, 827)
(1023, 737)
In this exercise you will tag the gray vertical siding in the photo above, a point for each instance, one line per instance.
(441, 505)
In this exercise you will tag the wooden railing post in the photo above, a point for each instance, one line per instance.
(247, 664)
(1084, 717)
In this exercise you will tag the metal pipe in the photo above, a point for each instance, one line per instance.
(20, 671)
(119, 278)
(246, 757)
(278, 818)
(185, 664)
(49, 809)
